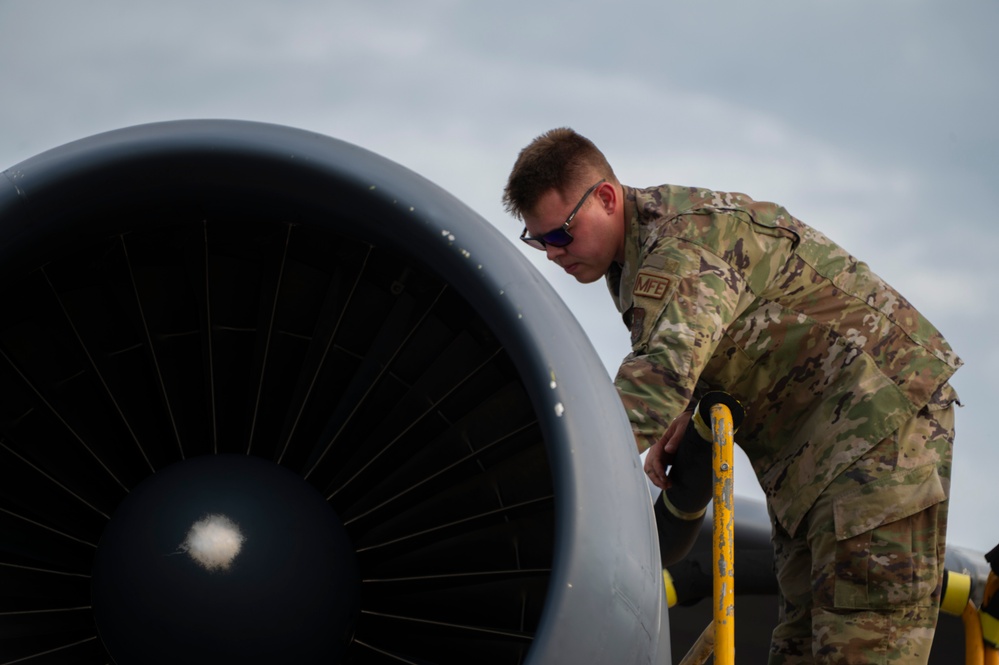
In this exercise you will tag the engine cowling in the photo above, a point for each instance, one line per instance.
(207, 317)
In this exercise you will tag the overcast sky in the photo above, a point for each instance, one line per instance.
(873, 120)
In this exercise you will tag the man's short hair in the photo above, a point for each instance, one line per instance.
(559, 159)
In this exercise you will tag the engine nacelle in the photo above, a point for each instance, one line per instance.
(213, 290)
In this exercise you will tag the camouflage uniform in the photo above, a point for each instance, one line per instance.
(849, 421)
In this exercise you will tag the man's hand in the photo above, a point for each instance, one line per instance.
(664, 451)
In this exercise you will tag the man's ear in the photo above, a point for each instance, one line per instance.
(609, 197)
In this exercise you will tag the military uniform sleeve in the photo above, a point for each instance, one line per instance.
(690, 287)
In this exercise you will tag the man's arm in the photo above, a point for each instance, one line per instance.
(676, 331)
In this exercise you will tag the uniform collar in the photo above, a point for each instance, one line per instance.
(621, 277)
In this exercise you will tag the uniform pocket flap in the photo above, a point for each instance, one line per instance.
(886, 500)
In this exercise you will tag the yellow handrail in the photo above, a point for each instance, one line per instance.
(702, 647)
(723, 545)
(988, 622)
(974, 648)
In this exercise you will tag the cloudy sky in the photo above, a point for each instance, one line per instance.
(873, 120)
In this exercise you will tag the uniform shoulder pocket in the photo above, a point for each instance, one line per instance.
(655, 285)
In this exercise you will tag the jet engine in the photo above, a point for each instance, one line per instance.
(268, 397)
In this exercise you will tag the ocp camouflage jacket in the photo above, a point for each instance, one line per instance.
(722, 292)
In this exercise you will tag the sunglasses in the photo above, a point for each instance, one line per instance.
(560, 237)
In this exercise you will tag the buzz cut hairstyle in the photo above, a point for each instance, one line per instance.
(559, 159)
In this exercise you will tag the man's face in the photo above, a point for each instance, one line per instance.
(597, 235)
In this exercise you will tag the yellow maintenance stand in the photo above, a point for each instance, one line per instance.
(981, 623)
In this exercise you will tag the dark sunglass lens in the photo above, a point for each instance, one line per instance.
(557, 238)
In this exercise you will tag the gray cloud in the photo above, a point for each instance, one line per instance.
(873, 121)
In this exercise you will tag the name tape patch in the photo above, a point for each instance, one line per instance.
(651, 285)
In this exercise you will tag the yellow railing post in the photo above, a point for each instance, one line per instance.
(987, 615)
(974, 648)
(723, 545)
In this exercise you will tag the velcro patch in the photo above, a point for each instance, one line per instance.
(651, 285)
(660, 262)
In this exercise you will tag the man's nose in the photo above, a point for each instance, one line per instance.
(553, 252)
